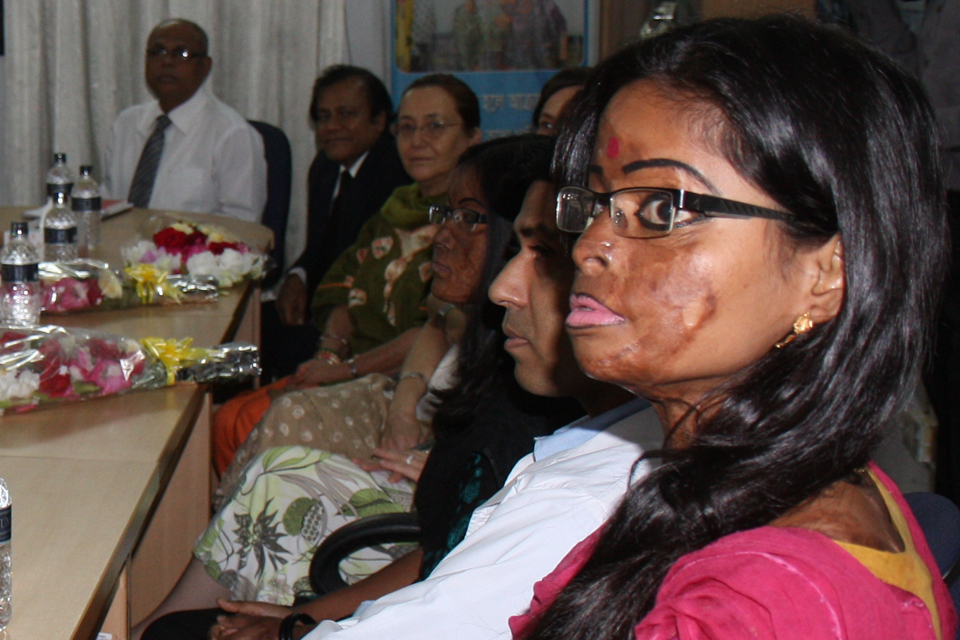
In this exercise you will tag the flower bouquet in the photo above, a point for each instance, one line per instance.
(48, 365)
(88, 284)
(187, 247)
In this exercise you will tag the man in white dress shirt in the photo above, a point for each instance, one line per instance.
(185, 150)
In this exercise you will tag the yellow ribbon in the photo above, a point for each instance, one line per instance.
(174, 354)
(151, 281)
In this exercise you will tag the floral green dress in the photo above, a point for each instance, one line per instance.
(384, 277)
(260, 543)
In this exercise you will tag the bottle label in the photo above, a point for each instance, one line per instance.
(86, 204)
(20, 272)
(54, 189)
(6, 527)
(60, 236)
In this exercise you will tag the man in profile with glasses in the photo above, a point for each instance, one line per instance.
(185, 150)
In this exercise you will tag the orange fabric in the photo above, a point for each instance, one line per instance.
(234, 421)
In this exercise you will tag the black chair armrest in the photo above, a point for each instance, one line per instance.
(940, 520)
(366, 532)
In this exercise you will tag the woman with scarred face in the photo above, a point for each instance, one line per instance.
(763, 243)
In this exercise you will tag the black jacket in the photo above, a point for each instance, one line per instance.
(380, 173)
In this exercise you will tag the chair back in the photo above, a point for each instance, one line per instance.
(276, 149)
(365, 532)
(940, 520)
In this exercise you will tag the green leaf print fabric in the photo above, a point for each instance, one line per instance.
(259, 545)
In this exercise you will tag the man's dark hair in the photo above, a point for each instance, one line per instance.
(201, 34)
(377, 95)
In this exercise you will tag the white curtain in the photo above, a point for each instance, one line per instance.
(72, 65)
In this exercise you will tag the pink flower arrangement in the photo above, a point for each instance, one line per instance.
(84, 284)
(70, 294)
(49, 364)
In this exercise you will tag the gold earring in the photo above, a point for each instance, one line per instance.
(801, 325)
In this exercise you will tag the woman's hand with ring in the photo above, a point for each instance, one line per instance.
(318, 371)
(404, 464)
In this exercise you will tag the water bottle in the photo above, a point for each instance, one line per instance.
(6, 585)
(85, 202)
(60, 231)
(59, 178)
(20, 292)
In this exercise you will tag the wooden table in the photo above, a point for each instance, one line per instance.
(109, 494)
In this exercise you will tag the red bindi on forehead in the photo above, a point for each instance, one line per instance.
(613, 147)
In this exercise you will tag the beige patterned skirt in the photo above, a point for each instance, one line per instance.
(345, 418)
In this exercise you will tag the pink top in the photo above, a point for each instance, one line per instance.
(774, 582)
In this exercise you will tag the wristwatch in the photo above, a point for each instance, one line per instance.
(288, 623)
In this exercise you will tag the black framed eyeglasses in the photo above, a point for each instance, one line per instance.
(466, 218)
(648, 212)
(177, 54)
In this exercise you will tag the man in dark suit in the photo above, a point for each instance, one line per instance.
(355, 171)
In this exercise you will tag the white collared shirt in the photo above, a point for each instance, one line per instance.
(514, 539)
(212, 160)
(352, 170)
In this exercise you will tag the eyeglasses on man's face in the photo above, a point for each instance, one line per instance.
(432, 130)
(465, 218)
(176, 54)
(648, 212)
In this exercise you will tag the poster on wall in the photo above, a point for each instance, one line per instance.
(503, 49)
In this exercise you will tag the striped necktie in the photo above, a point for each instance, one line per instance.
(146, 175)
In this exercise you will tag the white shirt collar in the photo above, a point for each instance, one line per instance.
(355, 167)
(183, 116)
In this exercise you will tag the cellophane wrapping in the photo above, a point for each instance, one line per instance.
(50, 365)
(83, 284)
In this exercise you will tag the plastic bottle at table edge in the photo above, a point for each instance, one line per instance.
(6, 584)
(21, 295)
(86, 204)
(60, 231)
(59, 177)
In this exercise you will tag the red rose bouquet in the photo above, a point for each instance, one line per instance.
(186, 247)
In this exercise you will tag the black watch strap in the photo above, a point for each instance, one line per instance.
(286, 627)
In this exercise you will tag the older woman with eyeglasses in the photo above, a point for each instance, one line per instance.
(371, 303)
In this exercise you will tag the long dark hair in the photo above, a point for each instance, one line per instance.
(505, 168)
(841, 137)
